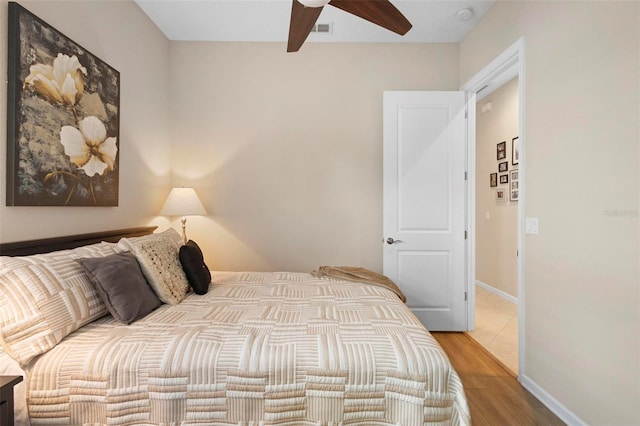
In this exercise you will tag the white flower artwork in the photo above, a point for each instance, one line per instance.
(63, 113)
(89, 147)
(62, 82)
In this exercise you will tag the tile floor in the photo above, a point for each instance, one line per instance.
(497, 327)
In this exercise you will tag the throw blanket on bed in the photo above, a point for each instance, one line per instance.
(268, 349)
(361, 275)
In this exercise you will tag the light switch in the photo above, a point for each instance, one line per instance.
(487, 215)
(531, 225)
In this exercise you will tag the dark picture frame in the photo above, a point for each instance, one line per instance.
(501, 152)
(493, 180)
(63, 119)
(515, 151)
(503, 167)
(504, 179)
(514, 188)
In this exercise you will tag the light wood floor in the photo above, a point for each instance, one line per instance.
(495, 396)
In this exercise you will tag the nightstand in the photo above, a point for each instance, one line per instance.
(6, 398)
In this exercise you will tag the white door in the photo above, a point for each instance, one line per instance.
(424, 204)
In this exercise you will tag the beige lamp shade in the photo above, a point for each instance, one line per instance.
(183, 202)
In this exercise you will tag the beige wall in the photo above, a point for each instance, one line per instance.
(497, 235)
(121, 35)
(582, 134)
(286, 149)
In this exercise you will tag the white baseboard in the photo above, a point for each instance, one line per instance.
(566, 415)
(497, 292)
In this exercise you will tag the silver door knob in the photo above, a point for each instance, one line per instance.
(392, 241)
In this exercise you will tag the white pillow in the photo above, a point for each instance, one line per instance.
(44, 298)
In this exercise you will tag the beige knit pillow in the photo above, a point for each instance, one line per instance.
(170, 234)
(160, 264)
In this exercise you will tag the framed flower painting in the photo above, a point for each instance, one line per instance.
(63, 119)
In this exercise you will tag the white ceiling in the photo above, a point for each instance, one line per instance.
(434, 21)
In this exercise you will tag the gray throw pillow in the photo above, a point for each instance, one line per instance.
(121, 286)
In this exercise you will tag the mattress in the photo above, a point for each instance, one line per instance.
(257, 349)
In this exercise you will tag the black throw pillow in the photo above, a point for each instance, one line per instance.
(194, 267)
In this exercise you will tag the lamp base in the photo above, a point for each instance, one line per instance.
(184, 229)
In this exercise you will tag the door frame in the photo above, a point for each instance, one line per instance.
(509, 64)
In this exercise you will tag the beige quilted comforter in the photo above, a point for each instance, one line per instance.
(258, 349)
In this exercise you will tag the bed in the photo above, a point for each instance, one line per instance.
(257, 348)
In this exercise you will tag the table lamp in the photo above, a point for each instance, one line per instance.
(183, 202)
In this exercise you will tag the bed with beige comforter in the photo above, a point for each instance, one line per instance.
(257, 349)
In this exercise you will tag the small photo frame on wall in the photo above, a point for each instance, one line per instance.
(501, 194)
(514, 188)
(503, 167)
(502, 150)
(504, 179)
(515, 151)
(493, 180)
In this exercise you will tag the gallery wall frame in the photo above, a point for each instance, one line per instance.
(63, 119)
(504, 179)
(503, 167)
(515, 151)
(501, 150)
(514, 187)
(493, 180)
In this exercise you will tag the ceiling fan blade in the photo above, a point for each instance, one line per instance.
(380, 12)
(302, 20)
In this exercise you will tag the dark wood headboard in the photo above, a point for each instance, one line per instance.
(46, 245)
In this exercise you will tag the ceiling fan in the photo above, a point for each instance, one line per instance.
(304, 14)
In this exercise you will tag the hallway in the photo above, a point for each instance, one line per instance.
(497, 327)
